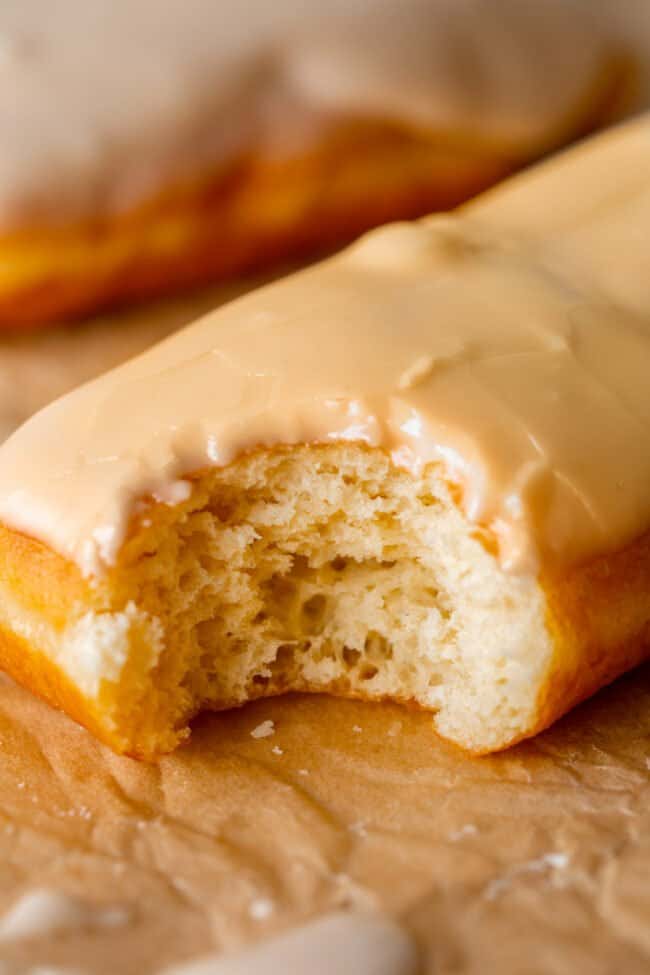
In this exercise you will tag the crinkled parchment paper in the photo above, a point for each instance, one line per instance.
(535, 861)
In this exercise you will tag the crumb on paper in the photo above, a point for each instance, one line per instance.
(261, 908)
(264, 730)
(357, 729)
(559, 861)
(277, 750)
(303, 771)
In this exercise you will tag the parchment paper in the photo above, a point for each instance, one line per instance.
(535, 861)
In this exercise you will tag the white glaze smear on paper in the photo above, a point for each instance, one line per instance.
(337, 944)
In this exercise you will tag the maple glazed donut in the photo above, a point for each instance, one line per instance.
(417, 471)
(152, 145)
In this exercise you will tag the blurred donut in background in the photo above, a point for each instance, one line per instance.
(151, 145)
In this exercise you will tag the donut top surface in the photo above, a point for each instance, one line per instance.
(105, 103)
(509, 342)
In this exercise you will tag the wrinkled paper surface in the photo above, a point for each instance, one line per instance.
(534, 861)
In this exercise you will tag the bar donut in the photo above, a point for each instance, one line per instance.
(417, 471)
(209, 138)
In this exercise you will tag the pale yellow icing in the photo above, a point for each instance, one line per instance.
(499, 342)
(105, 102)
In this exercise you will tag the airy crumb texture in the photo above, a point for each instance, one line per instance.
(311, 569)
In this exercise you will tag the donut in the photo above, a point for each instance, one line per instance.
(154, 145)
(416, 471)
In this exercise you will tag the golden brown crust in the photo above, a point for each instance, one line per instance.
(259, 212)
(40, 675)
(599, 618)
(39, 579)
(43, 583)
